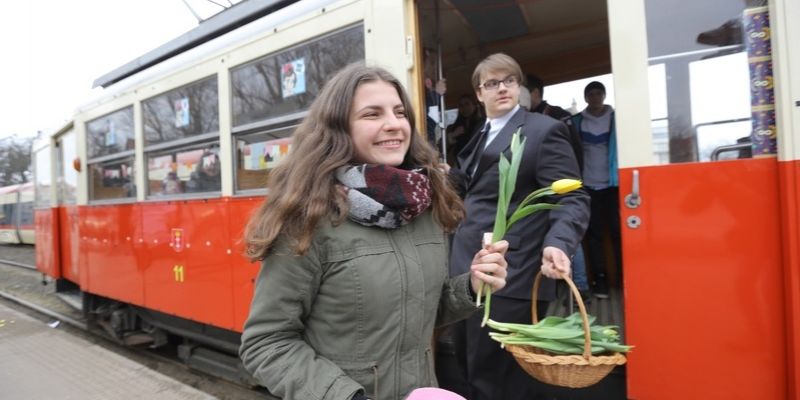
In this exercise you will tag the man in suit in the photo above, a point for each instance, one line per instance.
(544, 240)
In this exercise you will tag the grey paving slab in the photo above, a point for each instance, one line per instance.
(41, 362)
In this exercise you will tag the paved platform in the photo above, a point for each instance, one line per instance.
(41, 362)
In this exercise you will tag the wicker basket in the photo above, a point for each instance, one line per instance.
(573, 371)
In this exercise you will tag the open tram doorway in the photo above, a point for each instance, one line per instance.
(565, 43)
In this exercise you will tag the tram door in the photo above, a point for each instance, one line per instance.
(45, 216)
(700, 212)
(66, 197)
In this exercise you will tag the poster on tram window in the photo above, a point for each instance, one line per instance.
(111, 135)
(182, 112)
(293, 78)
(274, 153)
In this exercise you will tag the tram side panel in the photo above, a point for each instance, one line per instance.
(111, 252)
(47, 243)
(69, 240)
(187, 272)
(244, 272)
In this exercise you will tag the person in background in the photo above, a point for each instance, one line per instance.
(539, 105)
(469, 121)
(171, 184)
(542, 241)
(598, 133)
(206, 176)
(353, 247)
(434, 90)
(524, 98)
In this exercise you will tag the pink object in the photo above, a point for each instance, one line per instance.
(433, 394)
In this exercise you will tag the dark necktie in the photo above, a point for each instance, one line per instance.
(478, 152)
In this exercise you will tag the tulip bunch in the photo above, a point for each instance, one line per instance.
(560, 335)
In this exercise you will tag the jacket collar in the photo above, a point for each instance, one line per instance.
(491, 155)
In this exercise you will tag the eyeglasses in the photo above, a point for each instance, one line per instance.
(492, 84)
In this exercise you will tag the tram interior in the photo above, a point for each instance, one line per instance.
(561, 41)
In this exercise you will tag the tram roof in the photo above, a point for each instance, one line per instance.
(238, 15)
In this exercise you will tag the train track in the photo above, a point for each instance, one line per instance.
(163, 361)
(17, 264)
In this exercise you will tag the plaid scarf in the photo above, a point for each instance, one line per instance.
(384, 196)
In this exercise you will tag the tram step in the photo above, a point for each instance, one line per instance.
(72, 297)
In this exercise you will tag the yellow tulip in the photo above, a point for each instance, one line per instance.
(562, 186)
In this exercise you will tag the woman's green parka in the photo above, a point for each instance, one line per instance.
(357, 311)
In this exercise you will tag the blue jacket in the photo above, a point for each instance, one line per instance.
(613, 175)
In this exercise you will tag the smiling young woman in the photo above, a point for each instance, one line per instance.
(354, 276)
(378, 125)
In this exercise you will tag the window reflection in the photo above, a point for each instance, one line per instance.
(112, 180)
(194, 170)
(41, 160)
(257, 155)
(717, 74)
(288, 82)
(110, 134)
(187, 111)
(67, 176)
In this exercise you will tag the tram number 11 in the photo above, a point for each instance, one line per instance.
(177, 270)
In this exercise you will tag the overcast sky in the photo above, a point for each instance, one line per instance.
(52, 51)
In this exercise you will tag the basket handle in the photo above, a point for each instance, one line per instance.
(587, 338)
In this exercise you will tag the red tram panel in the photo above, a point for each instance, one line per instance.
(244, 273)
(725, 306)
(112, 255)
(789, 175)
(47, 242)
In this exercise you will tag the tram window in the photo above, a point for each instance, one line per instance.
(717, 77)
(186, 170)
(188, 111)
(112, 180)
(6, 214)
(41, 173)
(287, 82)
(257, 154)
(111, 134)
(67, 176)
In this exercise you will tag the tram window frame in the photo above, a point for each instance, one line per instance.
(274, 133)
(42, 197)
(186, 125)
(67, 178)
(105, 127)
(200, 143)
(271, 68)
(126, 158)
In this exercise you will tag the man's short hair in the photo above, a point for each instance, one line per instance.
(534, 82)
(594, 85)
(497, 62)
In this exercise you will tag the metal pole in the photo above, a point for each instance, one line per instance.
(439, 77)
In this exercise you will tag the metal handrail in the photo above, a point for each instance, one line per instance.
(730, 147)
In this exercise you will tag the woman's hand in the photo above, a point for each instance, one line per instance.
(489, 266)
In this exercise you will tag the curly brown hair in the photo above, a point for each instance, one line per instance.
(302, 187)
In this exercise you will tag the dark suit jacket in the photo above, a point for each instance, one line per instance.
(548, 156)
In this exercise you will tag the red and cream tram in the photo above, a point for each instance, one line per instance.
(142, 198)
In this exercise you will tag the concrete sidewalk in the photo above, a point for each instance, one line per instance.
(41, 362)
